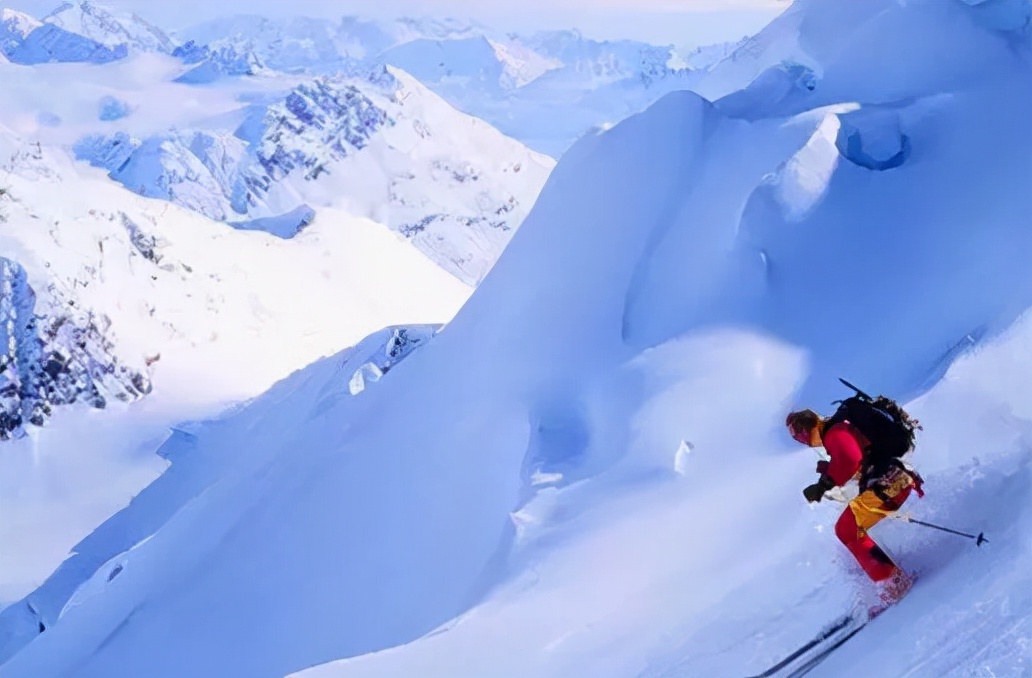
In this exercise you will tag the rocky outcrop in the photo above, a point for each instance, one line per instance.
(53, 359)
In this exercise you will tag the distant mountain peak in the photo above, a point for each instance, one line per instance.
(21, 22)
(109, 27)
(14, 28)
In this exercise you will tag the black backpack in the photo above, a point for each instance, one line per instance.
(882, 421)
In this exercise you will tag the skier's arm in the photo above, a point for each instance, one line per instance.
(845, 454)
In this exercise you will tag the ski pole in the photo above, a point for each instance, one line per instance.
(978, 538)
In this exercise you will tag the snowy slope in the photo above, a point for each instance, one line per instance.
(585, 473)
(207, 313)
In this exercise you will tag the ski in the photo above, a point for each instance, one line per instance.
(813, 661)
(825, 633)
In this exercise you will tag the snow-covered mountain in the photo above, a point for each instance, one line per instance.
(109, 27)
(80, 32)
(298, 44)
(14, 28)
(323, 46)
(107, 295)
(465, 63)
(214, 63)
(545, 89)
(132, 243)
(384, 147)
(586, 473)
(50, 44)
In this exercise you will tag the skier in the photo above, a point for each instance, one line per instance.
(865, 438)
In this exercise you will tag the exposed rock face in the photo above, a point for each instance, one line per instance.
(53, 359)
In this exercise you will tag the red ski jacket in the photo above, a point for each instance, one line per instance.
(845, 445)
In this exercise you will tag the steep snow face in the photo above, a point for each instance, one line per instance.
(197, 464)
(383, 147)
(109, 27)
(533, 492)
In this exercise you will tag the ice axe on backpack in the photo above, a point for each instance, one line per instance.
(860, 393)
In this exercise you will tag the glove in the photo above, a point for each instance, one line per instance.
(822, 466)
(815, 492)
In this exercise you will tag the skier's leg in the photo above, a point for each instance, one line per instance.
(851, 529)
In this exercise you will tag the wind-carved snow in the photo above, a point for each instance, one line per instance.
(872, 138)
(804, 179)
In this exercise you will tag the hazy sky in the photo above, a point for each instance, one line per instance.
(683, 22)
